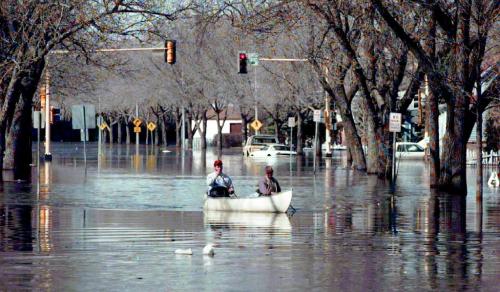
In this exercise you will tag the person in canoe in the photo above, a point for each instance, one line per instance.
(268, 184)
(219, 183)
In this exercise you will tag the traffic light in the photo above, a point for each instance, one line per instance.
(170, 51)
(242, 61)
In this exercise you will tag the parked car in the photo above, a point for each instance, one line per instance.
(272, 150)
(256, 142)
(409, 150)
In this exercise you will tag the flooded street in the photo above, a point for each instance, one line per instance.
(115, 225)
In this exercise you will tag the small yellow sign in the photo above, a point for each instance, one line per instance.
(137, 122)
(151, 126)
(103, 126)
(256, 125)
(137, 129)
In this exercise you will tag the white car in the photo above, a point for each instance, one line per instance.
(409, 150)
(256, 142)
(272, 150)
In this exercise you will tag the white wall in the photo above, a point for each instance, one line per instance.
(212, 129)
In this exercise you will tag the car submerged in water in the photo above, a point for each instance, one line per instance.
(256, 142)
(272, 150)
(409, 151)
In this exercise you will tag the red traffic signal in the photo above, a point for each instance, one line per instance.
(170, 51)
(242, 63)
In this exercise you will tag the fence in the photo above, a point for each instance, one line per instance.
(490, 159)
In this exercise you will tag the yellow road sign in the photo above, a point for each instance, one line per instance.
(137, 129)
(151, 126)
(103, 126)
(137, 122)
(256, 125)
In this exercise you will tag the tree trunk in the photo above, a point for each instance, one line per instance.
(22, 124)
(277, 130)
(353, 142)
(127, 133)
(119, 131)
(203, 133)
(21, 134)
(454, 147)
(433, 131)
(8, 106)
(219, 132)
(164, 132)
(190, 132)
(300, 150)
(479, 141)
(178, 130)
(111, 136)
(372, 147)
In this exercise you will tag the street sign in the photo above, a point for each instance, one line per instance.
(291, 122)
(253, 58)
(137, 129)
(77, 119)
(256, 125)
(151, 126)
(103, 125)
(38, 119)
(137, 122)
(317, 116)
(394, 122)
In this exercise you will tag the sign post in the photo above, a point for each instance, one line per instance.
(394, 127)
(291, 124)
(37, 124)
(317, 120)
(83, 118)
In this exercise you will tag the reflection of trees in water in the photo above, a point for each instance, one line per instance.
(15, 228)
(450, 252)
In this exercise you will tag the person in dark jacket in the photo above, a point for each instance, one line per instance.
(268, 184)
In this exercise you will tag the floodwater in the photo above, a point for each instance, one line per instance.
(115, 224)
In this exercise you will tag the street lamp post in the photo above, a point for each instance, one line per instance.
(48, 155)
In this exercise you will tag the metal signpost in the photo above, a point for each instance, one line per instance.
(394, 127)
(83, 118)
(291, 124)
(151, 128)
(37, 124)
(317, 120)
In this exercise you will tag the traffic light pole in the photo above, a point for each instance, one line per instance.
(255, 96)
(136, 133)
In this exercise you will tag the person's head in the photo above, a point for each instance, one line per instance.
(218, 165)
(269, 171)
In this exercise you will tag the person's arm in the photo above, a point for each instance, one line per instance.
(230, 187)
(278, 188)
(211, 180)
(263, 187)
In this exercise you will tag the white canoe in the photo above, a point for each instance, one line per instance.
(277, 203)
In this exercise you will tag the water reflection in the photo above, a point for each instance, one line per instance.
(350, 231)
(267, 221)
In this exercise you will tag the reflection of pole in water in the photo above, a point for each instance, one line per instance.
(44, 228)
(47, 173)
